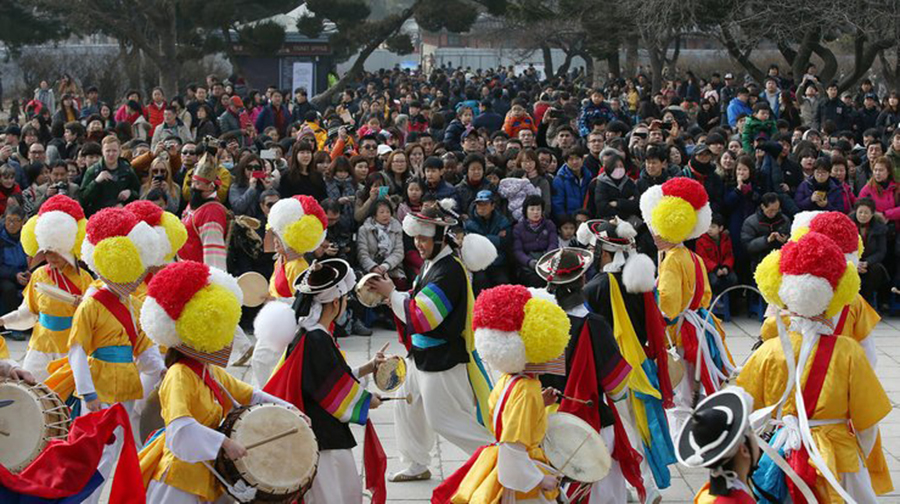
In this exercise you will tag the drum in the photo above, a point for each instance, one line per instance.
(367, 297)
(676, 368)
(281, 470)
(255, 288)
(56, 293)
(35, 416)
(575, 449)
(390, 374)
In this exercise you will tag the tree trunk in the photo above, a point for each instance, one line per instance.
(742, 57)
(803, 54)
(863, 58)
(229, 50)
(567, 63)
(829, 73)
(656, 66)
(170, 66)
(613, 64)
(547, 55)
(891, 75)
(589, 69)
(631, 55)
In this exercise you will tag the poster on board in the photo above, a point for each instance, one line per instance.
(304, 76)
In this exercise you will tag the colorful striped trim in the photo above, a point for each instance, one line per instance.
(344, 398)
(219, 358)
(616, 378)
(429, 308)
(556, 366)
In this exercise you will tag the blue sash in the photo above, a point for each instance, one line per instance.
(422, 341)
(116, 354)
(53, 322)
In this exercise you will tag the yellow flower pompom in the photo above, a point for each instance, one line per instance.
(800, 232)
(117, 259)
(545, 330)
(768, 278)
(29, 239)
(673, 219)
(304, 235)
(847, 289)
(79, 238)
(175, 232)
(209, 319)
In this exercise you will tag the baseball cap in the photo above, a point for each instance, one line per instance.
(484, 195)
(729, 75)
(384, 149)
(700, 149)
(872, 96)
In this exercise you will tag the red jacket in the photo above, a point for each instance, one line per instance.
(715, 255)
(155, 114)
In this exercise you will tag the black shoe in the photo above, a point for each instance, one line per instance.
(360, 329)
(17, 336)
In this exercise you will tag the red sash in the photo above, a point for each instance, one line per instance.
(799, 459)
(282, 287)
(841, 321)
(118, 310)
(63, 282)
(197, 368)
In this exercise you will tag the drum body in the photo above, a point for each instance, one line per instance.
(575, 449)
(36, 416)
(390, 374)
(366, 296)
(282, 470)
(255, 288)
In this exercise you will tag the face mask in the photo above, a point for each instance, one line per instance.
(228, 165)
(618, 173)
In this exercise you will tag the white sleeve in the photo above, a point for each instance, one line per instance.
(84, 382)
(192, 442)
(150, 363)
(867, 439)
(259, 397)
(20, 319)
(868, 345)
(515, 469)
(397, 301)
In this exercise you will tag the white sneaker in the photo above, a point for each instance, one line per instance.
(415, 472)
(653, 496)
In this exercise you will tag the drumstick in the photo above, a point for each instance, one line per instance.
(408, 399)
(276, 437)
(385, 347)
(4, 433)
(561, 469)
(589, 402)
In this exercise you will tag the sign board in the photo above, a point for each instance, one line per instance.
(304, 76)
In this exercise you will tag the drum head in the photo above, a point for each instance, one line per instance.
(391, 374)
(55, 292)
(676, 369)
(280, 467)
(255, 288)
(151, 416)
(24, 421)
(575, 449)
(367, 296)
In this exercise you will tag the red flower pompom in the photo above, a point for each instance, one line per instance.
(176, 284)
(501, 308)
(108, 223)
(62, 203)
(814, 254)
(146, 211)
(687, 189)
(312, 207)
(839, 228)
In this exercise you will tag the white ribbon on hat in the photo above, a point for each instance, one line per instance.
(315, 311)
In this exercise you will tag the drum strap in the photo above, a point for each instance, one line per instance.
(281, 281)
(121, 312)
(498, 411)
(198, 368)
(842, 321)
(63, 282)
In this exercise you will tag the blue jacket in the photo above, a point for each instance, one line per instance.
(736, 108)
(490, 120)
(266, 118)
(589, 113)
(491, 230)
(12, 258)
(569, 192)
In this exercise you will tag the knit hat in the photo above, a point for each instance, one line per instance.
(58, 227)
(194, 309)
(170, 231)
(519, 329)
(678, 210)
(299, 222)
(119, 247)
(834, 225)
(809, 277)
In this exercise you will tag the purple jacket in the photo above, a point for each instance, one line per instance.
(805, 191)
(531, 243)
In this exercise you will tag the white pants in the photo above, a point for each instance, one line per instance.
(442, 403)
(611, 489)
(36, 363)
(337, 480)
(266, 354)
(859, 485)
(160, 493)
(627, 414)
(683, 398)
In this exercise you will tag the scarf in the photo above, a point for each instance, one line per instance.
(820, 186)
(383, 237)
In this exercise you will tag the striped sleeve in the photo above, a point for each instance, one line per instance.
(428, 309)
(213, 238)
(343, 397)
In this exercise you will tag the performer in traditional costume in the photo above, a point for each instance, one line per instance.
(639, 331)
(57, 232)
(107, 347)
(194, 311)
(595, 371)
(827, 391)
(299, 225)
(520, 335)
(857, 319)
(171, 234)
(676, 211)
(717, 437)
(446, 379)
(316, 378)
(205, 218)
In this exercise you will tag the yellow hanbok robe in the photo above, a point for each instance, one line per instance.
(851, 392)
(292, 270)
(50, 334)
(861, 319)
(4, 350)
(183, 394)
(524, 421)
(675, 288)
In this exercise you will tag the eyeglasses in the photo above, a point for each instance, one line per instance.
(253, 167)
(188, 153)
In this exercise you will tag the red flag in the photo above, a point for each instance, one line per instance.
(287, 382)
(656, 334)
(375, 463)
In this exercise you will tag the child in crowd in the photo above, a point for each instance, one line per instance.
(715, 249)
(567, 233)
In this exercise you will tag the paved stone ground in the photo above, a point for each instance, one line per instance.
(685, 482)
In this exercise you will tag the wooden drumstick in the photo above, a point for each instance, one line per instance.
(276, 437)
(589, 402)
(4, 433)
(407, 398)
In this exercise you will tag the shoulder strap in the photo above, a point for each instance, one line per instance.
(206, 376)
(813, 387)
(118, 310)
(498, 411)
(281, 281)
(699, 283)
(839, 329)
(63, 282)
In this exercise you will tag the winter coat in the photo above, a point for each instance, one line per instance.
(155, 113)
(712, 182)
(569, 192)
(894, 156)
(515, 190)
(592, 113)
(245, 200)
(512, 125)
(805, 192)
(543, 183)
(645, 181)
(715, 254)
(885, 203)
(367, 248)
(266, 118)
(207, 127)
(847, 198)
(756, 230)
(229, 122)
(97, 195)
(875, 240)
(13, 259)
(453, 135)
(739, 205)
(491, 230)
(736, 108)
(531, 243)
(752, 128)
(604, 190)
(489, 120)
(465, 194)
(887, 119)
(834, 110)
(163, 131)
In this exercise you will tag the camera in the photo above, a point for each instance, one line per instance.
(667, 125)
(159, 178)
(61, 187)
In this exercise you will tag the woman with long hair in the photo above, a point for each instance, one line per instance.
(529, 162)
(67, 111)
(377, 187)
(252, 176)
(415, 154)
(397, 170)
(890, 115)
(206, 123)
(725, 166)
(301, 176)
(160, 177)
(882, 190)
(106, 116)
